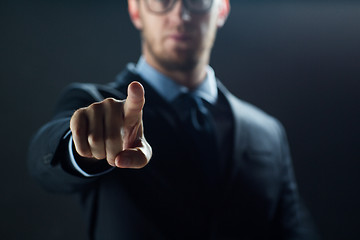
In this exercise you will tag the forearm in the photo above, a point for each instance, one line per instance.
(48, 159)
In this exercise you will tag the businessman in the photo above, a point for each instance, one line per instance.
(193, 162)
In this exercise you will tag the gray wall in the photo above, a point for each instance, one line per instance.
(297, 60)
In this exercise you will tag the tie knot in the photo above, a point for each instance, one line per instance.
(188, 100)
(191, 107)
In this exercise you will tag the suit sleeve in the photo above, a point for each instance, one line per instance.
(292, 220)
(48, 155)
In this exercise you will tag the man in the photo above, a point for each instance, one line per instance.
(220, 168)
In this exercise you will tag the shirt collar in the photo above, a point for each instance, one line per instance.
(170, 90)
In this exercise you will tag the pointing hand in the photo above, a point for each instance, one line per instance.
(113, 130)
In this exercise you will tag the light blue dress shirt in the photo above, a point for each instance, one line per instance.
(170, 90)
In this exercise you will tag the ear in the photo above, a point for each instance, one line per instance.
(224, 10)
(134, 12)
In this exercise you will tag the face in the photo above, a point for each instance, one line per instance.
(178, 39)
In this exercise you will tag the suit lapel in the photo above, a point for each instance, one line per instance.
(239, 130)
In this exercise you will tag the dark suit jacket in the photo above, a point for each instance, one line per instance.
(258, 198)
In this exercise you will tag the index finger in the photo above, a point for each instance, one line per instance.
(134, 103)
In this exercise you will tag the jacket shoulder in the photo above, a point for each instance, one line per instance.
(253, 116)
(259, 130)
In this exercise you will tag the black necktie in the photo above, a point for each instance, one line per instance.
(199, 124)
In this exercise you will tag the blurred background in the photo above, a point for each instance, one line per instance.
(297, 60)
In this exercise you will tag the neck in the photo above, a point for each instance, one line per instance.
(189, 76)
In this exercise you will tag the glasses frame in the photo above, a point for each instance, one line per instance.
(186, 4)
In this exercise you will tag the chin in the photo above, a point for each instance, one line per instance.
(180, 62)
(183, 58)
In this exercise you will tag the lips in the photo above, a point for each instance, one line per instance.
(180, 37)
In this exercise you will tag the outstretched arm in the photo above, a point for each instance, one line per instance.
(123, 145)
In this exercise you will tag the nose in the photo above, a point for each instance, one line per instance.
(181, 11)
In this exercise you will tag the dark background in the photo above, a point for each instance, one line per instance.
(297, 60)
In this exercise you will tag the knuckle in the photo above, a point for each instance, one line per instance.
(113, 106)
(96, 107)
(95, 139)
(99, 156)
(77, 116)
(77, 131)
(83, 151)
(80, 111)
(134, 107)
(111, 102)
(111, 161)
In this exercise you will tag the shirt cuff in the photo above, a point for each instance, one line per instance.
(76, 165)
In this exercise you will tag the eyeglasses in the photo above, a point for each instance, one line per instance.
(164, 6)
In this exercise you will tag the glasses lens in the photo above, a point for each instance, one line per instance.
(160, 6)
(199, 5)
